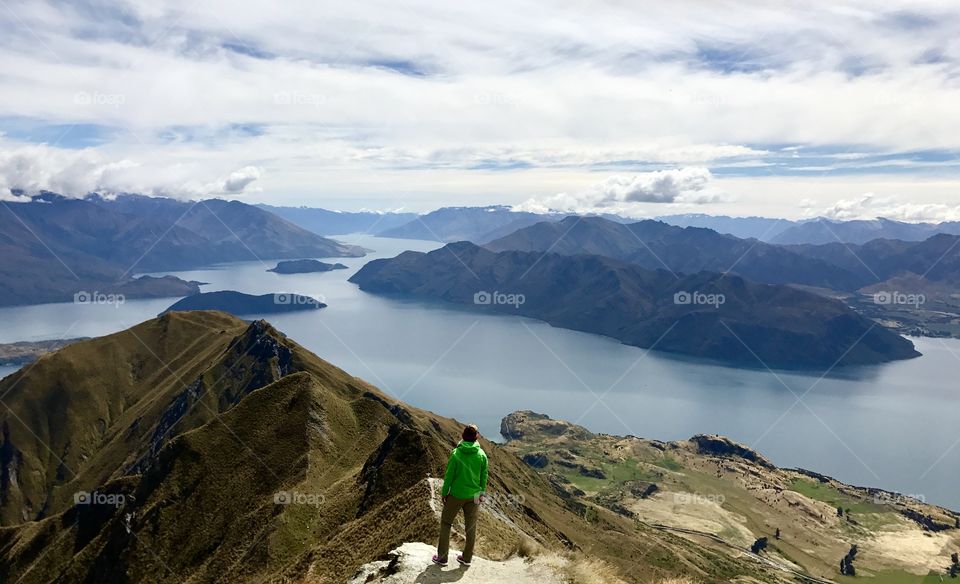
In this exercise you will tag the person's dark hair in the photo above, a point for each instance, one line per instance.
(471, 432)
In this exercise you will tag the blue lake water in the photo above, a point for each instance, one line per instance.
(894, 426)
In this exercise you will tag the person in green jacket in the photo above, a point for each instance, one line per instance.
(464, 487)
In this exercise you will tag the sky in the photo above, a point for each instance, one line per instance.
(791, 109)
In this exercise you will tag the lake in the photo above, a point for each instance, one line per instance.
(893, 426)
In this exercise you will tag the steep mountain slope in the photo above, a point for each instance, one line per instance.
(476, 224)
(197, 447)
(230, 231)
(45, 256)
(325, 222)
(705, 314)
(822, 231)
(656, 245)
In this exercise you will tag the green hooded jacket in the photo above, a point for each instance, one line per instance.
(466, 475)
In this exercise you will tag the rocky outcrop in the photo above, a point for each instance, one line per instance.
(714, 445)
(524, 424)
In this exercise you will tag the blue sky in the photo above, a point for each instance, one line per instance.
(642, 108)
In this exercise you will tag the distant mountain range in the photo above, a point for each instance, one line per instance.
(762, 228)
(813, 231)
(445, 224)
(477, 224)
(484, 224)
(936, 259)
(824, 231)
(656, 245)
(706, 314)
(325, 222)
(53, 247)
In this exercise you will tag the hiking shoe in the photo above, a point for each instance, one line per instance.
(440, 561)
(462, 561)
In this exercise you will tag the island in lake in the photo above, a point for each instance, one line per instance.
(305, 267)
(712, 315)
(239, 303)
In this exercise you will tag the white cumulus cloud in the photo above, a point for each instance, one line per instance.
(872, 206)
(239, 180)
(627, 194)
(75, 173)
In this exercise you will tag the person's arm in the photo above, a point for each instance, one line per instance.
(449, 475)
(483, 480)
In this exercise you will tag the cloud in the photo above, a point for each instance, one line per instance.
(363, 97)
(75, 173)
(627, 194)
(239, 180)
(871, 206)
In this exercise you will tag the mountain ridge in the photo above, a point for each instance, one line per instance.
(684, 250)
(277, 466)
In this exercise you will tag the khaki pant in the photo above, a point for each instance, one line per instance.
(451, 507)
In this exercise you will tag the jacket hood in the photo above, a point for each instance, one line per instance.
(465, 447)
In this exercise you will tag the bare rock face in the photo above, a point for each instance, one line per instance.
(714, 445)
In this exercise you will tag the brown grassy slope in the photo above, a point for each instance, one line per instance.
(713, 485)
(203, 509)
(95, 409)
